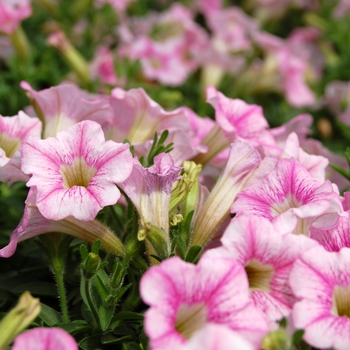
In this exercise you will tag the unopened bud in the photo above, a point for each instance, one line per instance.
(18, 319)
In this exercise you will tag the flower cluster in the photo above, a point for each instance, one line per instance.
(188, 215)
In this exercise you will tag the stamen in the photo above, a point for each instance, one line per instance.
(190, 318)
(77, 174)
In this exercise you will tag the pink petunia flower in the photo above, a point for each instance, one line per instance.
(33, 224)
(42, 338)
(62, 106)
(321, 280)
(236, 120)
(184, 298)
(13, 132)
(12, 12)
(150, 190)
(291, 199)
(75, 173)
(267, 257)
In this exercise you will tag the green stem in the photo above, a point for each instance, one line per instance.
(57, 267)
(20, 43)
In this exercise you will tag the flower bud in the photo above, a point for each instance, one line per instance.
(19, 318)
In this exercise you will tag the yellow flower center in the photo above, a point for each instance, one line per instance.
(9, 144)
(259, 275)
(341, 301)
(77, 174)
(190, 318)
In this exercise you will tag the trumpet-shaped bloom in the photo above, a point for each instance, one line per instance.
(34, 224)
(321, 280)
(137, 117)
(150, 190)
(236, 120)
(243, 168)
(62, 106)
(75, 173)
(12, 12)
(184, 298)
(291, 199)
(267, 257)
(13, 132)
(42, 338)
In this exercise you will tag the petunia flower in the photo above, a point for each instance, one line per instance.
(33, 224)
(150, 190)
(321, 281)
(185, 298)
(13, 132)
(76, 172)
(236, 120)
(291, 199)
(242, 169)
(42, 338)
(62, 106)
(12, 12)
(267, 257)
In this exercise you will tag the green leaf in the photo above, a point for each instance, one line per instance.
(92, 342)
(50, 316)
(110, 338)
(128, 315)
(193, 253)
(75, 327)
(131, 346)
(105, 315)
(96, 246)
(102, 284)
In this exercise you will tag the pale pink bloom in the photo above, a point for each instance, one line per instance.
(14, 131)
(217, 337)
(287, 62)
(102, 66)
(232, 27)
(267, 257)
(150, 190)
(321, 281)
(160, 63)
(62, 106)
(33, 224)
(184, 298)
(315, 165)
(291, 199)
(12, 12)
(235, 120)
(75, 173)
(169, 44)
(243, 168)
(292, 69)
(300, 125)
(136, 117)
(45, 339)
(316, 147)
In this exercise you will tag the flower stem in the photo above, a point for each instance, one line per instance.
(57, 267)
